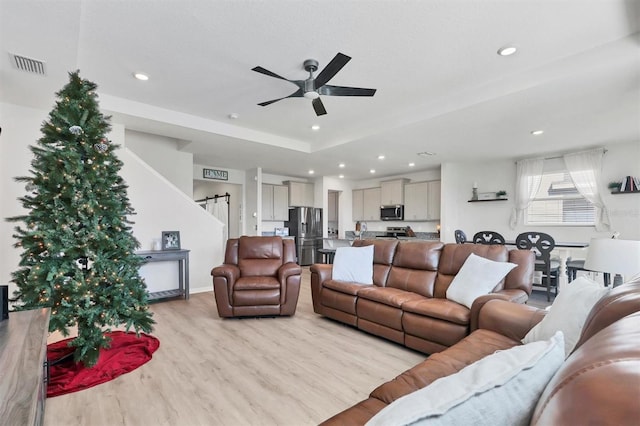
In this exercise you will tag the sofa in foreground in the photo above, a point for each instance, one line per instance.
(408, 302)
(598, 384)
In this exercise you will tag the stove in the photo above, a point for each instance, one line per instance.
(396, 231)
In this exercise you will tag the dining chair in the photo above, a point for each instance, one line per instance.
(461, 237)
(542, 244)
(488, 237)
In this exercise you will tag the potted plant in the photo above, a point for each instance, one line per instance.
(501, 194)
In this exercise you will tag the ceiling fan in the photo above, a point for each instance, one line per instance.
(312, 88)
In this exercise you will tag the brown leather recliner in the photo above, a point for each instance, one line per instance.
(259, 277)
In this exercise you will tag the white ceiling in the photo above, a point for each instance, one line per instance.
(441, 87)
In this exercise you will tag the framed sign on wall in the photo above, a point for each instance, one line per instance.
(215, 174)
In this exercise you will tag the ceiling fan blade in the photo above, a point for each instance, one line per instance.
(297, 94)
(267, 72)
(332, 68)
(318, 107)
(345, 91)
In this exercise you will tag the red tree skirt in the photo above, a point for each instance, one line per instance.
(127, 352)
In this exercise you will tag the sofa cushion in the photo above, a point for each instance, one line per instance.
(383, 253)
(568, 312)
(439, 308)
(501, 388)
(353, 264)
(344, 286)
(477, 277)
(389, 296)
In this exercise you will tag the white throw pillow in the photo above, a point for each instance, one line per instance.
(568, 312)
(499, 389)
(477, 277)
(353, 264)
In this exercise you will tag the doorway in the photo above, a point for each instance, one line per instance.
(205, 189)
(333, 218)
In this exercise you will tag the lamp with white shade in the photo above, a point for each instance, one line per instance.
(621, 257)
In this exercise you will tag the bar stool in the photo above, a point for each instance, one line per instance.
(573, 266)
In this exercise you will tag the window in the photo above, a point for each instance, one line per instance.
(558, 202)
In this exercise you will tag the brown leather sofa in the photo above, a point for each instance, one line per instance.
(407, 302)
(598, 384)
(259, 277)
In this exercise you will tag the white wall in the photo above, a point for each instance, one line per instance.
(160, 206)
(253, 201)
(457, 180)
(162, 154)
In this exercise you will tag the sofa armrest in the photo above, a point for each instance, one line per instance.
(320, 273)
(510, 295)
(230, 272)
(513, 320)
(287, 270)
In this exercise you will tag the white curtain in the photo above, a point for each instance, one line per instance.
(528, 178)
(219, 208)
(585, 171)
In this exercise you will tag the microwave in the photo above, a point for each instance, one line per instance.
(395, 212)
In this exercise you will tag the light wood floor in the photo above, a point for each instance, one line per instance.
(208, 371)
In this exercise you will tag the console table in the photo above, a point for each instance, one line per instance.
(23, 375)
(182, 257)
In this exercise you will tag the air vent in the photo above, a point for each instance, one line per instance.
(27, 64)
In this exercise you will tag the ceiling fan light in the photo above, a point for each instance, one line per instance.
(311, 95)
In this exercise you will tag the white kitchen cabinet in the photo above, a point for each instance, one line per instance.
(371, 204)
(275, 202)
(433, 204)
(392, 192)
(417, 200)
(422, 201)
(300, 194)
(357, 204)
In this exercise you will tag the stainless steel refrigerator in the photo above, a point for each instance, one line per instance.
(305, 224)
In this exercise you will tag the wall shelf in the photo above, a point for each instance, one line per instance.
(492, 199)
(625, 192)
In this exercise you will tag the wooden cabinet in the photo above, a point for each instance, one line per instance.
(433, 204)
(300, 194)
(366, 204)
(357, 204)
(371, 204)
(392, 192)
(23, 357)
(275, 202)
(422, 201)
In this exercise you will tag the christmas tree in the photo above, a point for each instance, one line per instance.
(77, 246)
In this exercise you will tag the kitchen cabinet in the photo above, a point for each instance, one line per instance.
(392, 192)
(275, 202)
(422, 201)
(371, 204)
(433, 205)
(365, 204)
(357, 200)
(300, 194)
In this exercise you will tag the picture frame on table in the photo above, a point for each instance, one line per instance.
(170, 240)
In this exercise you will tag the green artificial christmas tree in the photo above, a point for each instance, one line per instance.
(77, 246)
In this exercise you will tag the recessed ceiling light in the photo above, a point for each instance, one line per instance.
(341, 165)
(341, 176)
(426, 153)
(380, 157)
(537, 132)
(315, 127)
(372, 171)
(234, 116)
(412, 164)
(140, 76)
(507, 50)
(311, 172)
